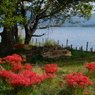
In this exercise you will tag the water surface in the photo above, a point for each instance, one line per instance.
(77, 36)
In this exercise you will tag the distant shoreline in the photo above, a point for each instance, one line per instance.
(1, 29)
(88, 25)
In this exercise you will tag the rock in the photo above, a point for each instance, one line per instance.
(57, 53)
(1, 68)
(23, 55)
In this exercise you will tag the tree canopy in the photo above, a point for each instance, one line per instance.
(32, 13)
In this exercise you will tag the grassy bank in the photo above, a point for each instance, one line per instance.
(56, 85)
(77, 58)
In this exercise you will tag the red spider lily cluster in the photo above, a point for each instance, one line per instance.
(14, 58)
(50, 70)
(25, 75)
(15, 61)
(78, 79)
(90, 66)
(19, 46)
(23, 78)
(86, 93)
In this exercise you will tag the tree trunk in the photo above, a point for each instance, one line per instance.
(15, 30)
(7, 41)
(28, 34)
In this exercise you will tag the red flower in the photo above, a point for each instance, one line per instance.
(25, 75)
(90, 66)
(1, 61)
(86, 93)
(19, 46)
(17, 67)
(78, 79)
(6, 74)
(27, 66)
(14, 58)
(60, 83)
(23, 78)
(50, 68)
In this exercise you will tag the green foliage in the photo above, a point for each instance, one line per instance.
(49, 43)
(11, 11)
(20, 38)
(33, 16)
(56, 86)
(8, 13)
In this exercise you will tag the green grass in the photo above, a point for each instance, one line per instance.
(77, 58)
(66, 65)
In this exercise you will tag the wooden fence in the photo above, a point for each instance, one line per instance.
(65, 45)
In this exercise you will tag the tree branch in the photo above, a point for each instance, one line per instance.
(39, 35)
(48, 26)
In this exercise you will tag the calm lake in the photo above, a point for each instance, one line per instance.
(77, 36)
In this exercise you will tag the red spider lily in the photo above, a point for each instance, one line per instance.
(19, 46)
(17, 67)
(27, 66)
(23, 78)
(50, 68)
(50, 75)
(86, 93)
(77, 79)
(6, 74)
(14, 58)
(1, 61)
(25, 75)
(90, 66)
(60, 83)
(15, 61)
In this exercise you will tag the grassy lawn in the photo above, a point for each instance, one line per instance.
(58, 84)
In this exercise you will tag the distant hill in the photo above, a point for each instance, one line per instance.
(91, 21)
(83, 22)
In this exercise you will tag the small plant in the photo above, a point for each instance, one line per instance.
(20, 38)
(49, 43)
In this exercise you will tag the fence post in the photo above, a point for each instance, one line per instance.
(91, 49)
(32, 40)
(81, 48)
(36, 42)
(71, 46)
(87, 46)
(42, 40)
(76, 48)
(62, 45)
(58, 42)
(39, 44)
(46, 40)
(67, 43)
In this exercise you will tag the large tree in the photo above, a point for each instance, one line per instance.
(9, 19)
(32, 13)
